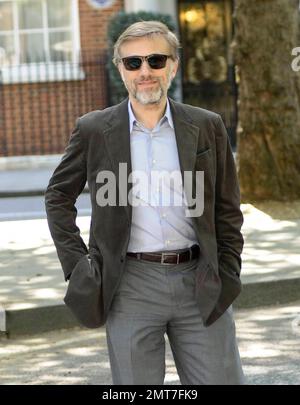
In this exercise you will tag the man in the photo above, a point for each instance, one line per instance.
(152, 268)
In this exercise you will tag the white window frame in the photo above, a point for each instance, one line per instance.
(45, 71)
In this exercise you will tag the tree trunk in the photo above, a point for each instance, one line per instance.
(268, 146)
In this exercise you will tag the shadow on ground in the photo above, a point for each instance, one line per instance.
(268, 339)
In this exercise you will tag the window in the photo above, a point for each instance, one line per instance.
(37, 36)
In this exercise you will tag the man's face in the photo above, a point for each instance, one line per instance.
(146, 85)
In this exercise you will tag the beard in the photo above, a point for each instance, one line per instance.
(148, 96)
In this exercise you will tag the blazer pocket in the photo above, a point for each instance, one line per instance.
(202, 153)
(84, 293)
(204, 163)
(231, 286)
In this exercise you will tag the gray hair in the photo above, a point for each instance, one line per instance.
(147, 29)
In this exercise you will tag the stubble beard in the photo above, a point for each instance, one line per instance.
(149, 97)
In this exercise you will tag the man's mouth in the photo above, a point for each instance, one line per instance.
(149, 83)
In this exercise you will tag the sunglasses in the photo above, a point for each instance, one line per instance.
(155, 61)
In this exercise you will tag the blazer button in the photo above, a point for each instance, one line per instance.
(122, 259)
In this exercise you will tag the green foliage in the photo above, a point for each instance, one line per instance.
(117, 25)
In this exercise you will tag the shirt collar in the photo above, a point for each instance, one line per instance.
(132, 118)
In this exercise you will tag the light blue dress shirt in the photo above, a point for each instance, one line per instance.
(159, 222)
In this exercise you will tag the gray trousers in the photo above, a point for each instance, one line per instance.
(155, 299)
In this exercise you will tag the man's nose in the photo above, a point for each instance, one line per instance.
(145, 68)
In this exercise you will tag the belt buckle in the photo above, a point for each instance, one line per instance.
(168, 254)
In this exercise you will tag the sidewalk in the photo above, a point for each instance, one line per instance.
(26, 176)
(268, 341)
(32, 285)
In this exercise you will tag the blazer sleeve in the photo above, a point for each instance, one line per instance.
(66, 183)
(228, 216)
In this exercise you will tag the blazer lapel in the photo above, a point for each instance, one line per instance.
(187, 136)
(117, 140)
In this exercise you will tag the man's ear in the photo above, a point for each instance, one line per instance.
(120, 71)
(175, 68)
(122, 75)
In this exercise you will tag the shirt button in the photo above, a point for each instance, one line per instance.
(164, 215)
(153, 161)
(167, 242)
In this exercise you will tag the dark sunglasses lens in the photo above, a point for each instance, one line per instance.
(132, 63)
(157, 61)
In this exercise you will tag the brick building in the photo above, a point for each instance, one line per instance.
(53, 55)
(57, 75)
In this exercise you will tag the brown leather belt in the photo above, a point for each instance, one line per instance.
(168, 257)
